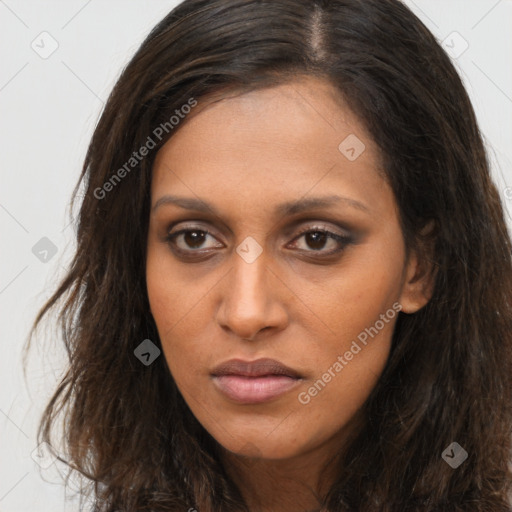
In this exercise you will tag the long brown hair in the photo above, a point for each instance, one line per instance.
(449, 374)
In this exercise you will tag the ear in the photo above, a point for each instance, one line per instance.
(419, 272)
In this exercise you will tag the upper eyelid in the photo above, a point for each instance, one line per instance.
(308, 224)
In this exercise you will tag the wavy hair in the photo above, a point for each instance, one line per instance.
(448, 378)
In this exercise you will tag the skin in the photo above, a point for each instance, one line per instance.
(245, 154)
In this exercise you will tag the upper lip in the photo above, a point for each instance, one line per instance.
(257, 368)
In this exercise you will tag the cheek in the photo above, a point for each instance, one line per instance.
(330, 402)
(360, 308)
(354, 297)
(171, 296)
(178, 308)
(348, 363)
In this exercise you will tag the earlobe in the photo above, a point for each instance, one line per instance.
(420, 273)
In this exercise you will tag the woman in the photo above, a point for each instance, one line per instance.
(292, 287)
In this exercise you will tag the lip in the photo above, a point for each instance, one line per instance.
(252, 382)
(257, 368)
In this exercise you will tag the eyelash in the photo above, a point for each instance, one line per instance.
(342, 240)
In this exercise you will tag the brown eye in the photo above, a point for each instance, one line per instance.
(194, 239)
(189, 240)
(318, 239)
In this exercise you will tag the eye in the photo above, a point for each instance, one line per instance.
(194, 242)
(316, 239)
(191, 239)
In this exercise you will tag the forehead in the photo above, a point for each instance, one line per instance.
(269, 143)
(306, 106)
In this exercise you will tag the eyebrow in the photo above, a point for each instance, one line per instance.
(283, 209)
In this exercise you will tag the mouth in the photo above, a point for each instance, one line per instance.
(253, 382)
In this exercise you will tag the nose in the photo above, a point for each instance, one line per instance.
(250, 301)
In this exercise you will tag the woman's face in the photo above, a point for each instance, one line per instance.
(256, 180)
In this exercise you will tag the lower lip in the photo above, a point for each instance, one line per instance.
(254, 390)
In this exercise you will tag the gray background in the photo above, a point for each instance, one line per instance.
(49, 107)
